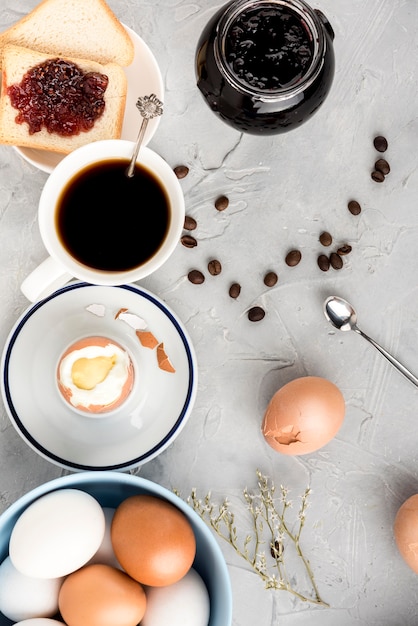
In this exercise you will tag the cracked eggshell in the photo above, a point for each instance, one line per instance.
(303, 416)
(406, 532)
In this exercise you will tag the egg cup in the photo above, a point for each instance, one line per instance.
(99, 399)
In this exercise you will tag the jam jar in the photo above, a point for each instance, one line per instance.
(265, 66)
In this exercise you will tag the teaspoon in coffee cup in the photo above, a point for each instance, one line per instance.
(343, 316)
(149, 107)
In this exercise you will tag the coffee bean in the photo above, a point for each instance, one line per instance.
(196, 277)
(221, 203)
(188, 241)
(377, 176)
(323, 262)
(256, 314)
(325, 238)
(336, 261)
(354, 207)
(383, 166)
(181, 171)
(189, 223)
(234, 290)
(293, 257)
(345, 249)
(214, 267)
(270, 279)
(380, 143)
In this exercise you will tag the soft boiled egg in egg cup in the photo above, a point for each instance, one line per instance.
(95, 376)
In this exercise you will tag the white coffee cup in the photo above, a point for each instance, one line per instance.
(61, 266)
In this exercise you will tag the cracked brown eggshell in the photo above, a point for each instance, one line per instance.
(303, 415)
(405, 530)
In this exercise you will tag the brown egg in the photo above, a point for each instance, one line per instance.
(100, 595)
(406, 531)
(303, 415)
(152, 540)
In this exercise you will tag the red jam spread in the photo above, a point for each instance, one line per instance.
(59, 96)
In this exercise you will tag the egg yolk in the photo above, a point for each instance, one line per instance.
(87, 373)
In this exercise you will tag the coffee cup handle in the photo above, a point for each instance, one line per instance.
(44, 280)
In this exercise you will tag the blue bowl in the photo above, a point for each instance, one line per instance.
(110, 488)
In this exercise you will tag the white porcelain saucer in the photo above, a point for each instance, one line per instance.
(144, 78)
(150, 419)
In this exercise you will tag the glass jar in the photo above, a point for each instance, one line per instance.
(265, 66)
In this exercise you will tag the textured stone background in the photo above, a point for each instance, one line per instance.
(283, 192)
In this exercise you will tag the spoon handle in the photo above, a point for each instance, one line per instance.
(413, 379)
(131, 168)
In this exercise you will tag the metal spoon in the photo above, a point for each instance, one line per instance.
(149, 107)
(342, 315)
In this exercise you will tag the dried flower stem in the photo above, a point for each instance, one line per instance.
(268, 521)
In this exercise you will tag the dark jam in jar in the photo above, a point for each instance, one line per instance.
(265, 66)
(268, 49)
(59, 96)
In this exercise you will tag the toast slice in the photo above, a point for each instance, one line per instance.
(86, 29)
(17, 61)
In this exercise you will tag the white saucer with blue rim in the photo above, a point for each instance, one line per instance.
(152, 416)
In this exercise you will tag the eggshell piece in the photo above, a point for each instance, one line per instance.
(153, 540)
(57, 534)
(164, 362)
(100, 595)
(303, 415)
(185, 603)
(23, 597)
(133, 320)
(406, 531)
(147, 339)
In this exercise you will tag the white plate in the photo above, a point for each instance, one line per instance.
(144, 78)
(153, 415)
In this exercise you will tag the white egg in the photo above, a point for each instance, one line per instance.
(57, 534)
(40, 621)
(22, 597)
(105, 553)
(185, 603)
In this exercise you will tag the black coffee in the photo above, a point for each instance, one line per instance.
(110, 222)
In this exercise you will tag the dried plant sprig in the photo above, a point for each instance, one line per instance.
(269, 527)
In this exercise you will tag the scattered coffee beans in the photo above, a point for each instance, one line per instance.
(377, 176)
(270, 279)
(214, 267)
(383, 166)
(325, 238)
(336, 261)
(189, 223)
(196, 277)
(293, 258)
(181, 171)
(323, 262)
(234, 290)
(188, 241)
(256, 314)
(221, 203)
(354, 207)
(345, 249)
(380, 143)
